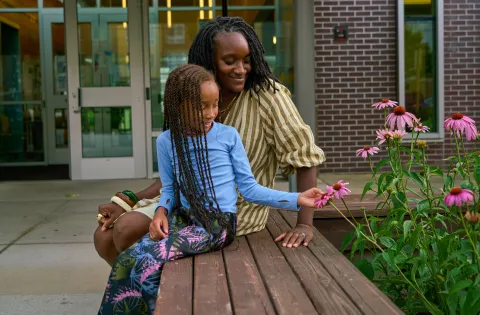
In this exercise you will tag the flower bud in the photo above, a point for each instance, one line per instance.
(422, 144)
(472, 217)
(390, 190)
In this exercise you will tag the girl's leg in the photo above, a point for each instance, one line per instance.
(135, 276)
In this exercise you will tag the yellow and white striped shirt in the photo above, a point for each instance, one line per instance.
(274, 135)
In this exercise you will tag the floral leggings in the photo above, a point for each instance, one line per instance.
(135, 277)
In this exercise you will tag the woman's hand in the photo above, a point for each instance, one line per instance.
(109, 213)
(307, 198)
(159, 225)
(301, 234)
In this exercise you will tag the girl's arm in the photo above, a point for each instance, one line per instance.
(165, 169)
(248, 186)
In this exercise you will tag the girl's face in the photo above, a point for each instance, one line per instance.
(209, 98)
(232, 61)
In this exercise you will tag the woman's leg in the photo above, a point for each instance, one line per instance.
(103, 241)
(135, 277)
(128, 229)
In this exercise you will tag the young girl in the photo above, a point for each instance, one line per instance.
(201, 165)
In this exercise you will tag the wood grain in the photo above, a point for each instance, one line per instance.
(248, 293)
(325, 293)
(211, 295)
(283, 286)
(361, 291)
(176, 288)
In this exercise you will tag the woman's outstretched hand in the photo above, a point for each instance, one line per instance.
(159, 225)
(307, 198)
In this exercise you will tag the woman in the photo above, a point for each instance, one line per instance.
(272, 131)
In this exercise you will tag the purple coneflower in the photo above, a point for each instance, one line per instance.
(384, 104)
(400, 117)
(383, 135)
(398, 134)
(339, 190)
(323, 200)
(365, 151)
(457, 196)
(461, 123)
(421, 128)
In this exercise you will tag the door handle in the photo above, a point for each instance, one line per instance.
(147, 93)
(78, 108)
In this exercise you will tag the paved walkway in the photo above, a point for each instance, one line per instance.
(48, 264)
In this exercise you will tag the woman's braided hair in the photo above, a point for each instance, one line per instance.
(184, 118)
(203, 47)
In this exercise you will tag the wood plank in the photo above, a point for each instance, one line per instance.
(325, 293)
(361, 291)
(176, 288)
(247, 291)
(211, 295)
(283, 286)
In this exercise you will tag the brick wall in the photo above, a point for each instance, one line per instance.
(352, 75)
(462, 61)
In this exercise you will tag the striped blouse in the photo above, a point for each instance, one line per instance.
(274, 135)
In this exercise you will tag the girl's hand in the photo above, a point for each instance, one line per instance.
(307, 198)
(159, 225)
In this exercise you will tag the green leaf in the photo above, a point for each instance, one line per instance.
(423, 205)
(406, 227)
(436, 171)
(379, 165)
(416, 178)
(472, 302)
(380, 185)
(432, 308)
(452, 303)
(448, 182)
(347, 240)
(389, 258)
(466, 185)
(387, 241)
(366, 268)
(476, 173)
(460, 285)
(366, 188)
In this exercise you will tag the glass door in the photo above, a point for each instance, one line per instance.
(106, 92)
(55, 62)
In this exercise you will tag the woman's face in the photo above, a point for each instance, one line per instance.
(232, 61)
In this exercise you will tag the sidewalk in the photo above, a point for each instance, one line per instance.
(48, 264)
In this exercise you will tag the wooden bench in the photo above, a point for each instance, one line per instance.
(255, 276)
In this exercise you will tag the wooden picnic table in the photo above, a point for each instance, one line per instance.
(255, 276)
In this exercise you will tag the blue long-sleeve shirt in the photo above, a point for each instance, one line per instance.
(229, 167)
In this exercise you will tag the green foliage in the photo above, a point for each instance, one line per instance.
(424, 254)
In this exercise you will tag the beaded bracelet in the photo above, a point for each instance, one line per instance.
(131, 195)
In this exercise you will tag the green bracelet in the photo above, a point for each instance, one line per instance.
(131, 195)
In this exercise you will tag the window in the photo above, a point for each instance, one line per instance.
(419, 62)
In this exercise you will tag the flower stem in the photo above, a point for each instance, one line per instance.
(381, 249)
(466, 159)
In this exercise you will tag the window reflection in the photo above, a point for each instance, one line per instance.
(21, 133)
(106, 132)
(420, 61)
(20, 71)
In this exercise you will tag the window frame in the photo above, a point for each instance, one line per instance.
(439, 71)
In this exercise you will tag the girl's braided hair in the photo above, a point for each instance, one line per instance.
(203, 47)
(184, 118)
